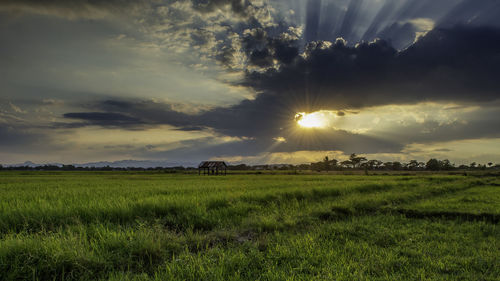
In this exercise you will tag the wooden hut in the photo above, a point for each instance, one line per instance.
(212, 168)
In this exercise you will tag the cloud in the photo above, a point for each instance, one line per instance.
(104, 118)
(16, 108)
(457, 64)
(72, 9)
(287, 61)
(472, 12)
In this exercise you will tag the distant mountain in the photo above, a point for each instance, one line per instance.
(32, 165)
(117, 164)
(137, 164)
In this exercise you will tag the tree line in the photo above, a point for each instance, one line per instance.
(355, 162)
(78, 168)
(362, 163)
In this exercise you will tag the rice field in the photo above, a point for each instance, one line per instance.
(157, 226)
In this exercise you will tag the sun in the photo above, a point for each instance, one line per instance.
(312, 120)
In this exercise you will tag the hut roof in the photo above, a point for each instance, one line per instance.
(212, 164)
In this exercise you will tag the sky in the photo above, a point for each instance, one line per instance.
(249, 81)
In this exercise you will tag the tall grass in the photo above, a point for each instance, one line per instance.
(119, 226)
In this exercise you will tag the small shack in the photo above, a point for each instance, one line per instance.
(212, 168)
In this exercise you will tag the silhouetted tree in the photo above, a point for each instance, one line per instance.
(397, 165)
(239, 167)
(304, 167)
(356, 160)
(388, 165)
(413, 165)
(329, 164)
(432, 165)
(374, 164)
(346, 163)
(326, 163)
(445, 165)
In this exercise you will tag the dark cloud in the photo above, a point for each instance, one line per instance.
(11, 136)
(289, 72)
(104, 118)
(458, 65)
(131, 114)
(263, 49)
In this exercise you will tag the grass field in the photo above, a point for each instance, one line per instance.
(153, 226)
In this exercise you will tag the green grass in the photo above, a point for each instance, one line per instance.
(153, 226)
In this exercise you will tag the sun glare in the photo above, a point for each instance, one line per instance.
(319, 119)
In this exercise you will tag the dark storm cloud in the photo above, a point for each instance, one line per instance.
(104, 118)
(25, 140)
(130, 115)
(10, 136)
(456, 65)
(262, 49)
(260, 117)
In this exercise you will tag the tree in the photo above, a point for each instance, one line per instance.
(346, 163)
(433, 165)
(490, 164)
(326, 164)
(356, 160)
(473, 165)
(446, 165)
(396, 165)
(374, 164)
(388, 165)
(413, 165)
